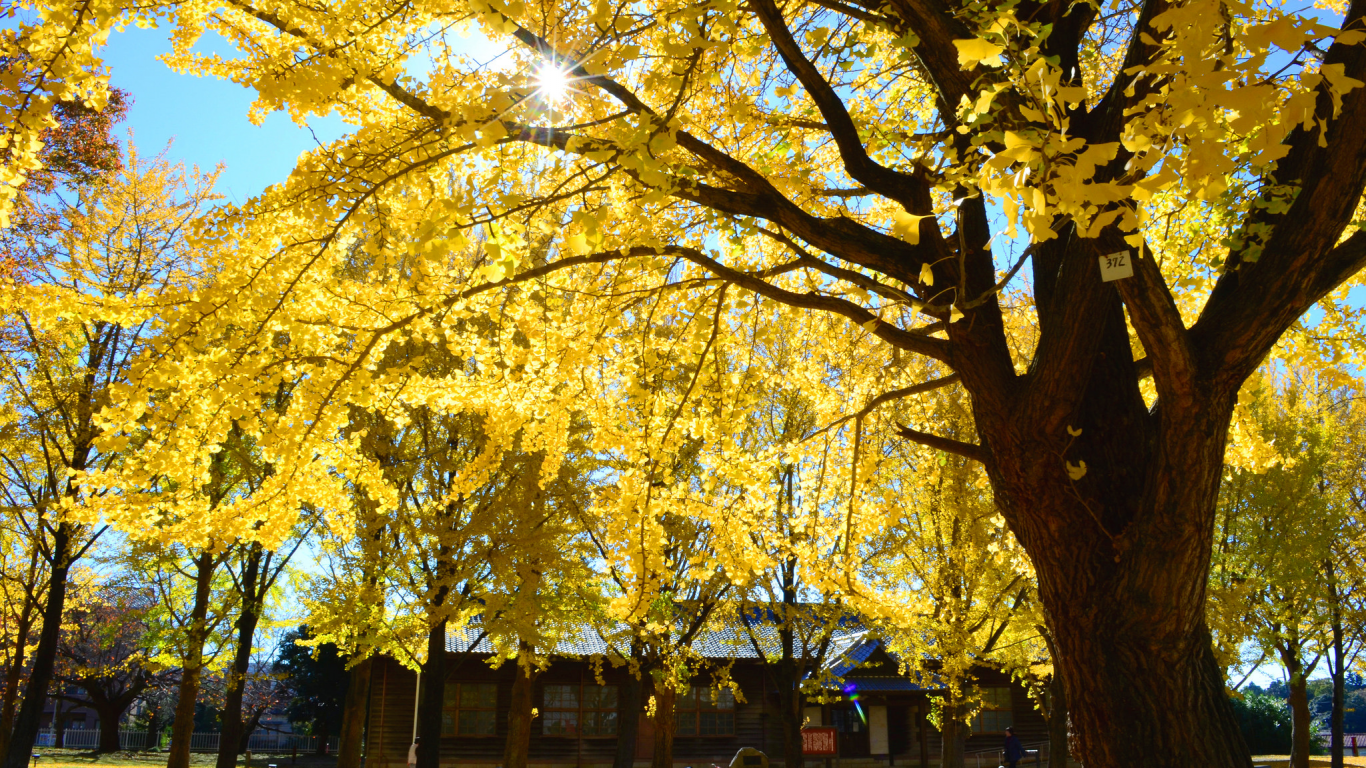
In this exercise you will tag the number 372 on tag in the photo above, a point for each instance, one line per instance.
(1116, 266)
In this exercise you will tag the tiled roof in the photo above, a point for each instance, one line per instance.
(916, 682)
(722, 643)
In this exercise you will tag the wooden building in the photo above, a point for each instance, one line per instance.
(880, 715)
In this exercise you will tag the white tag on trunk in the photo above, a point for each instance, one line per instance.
(1116, 266)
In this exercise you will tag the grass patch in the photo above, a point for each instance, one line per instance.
(78, 758)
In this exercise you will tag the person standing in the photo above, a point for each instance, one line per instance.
(1014, 749)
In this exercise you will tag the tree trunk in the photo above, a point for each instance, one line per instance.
(324, 734)
(44, 657)
(1339, 672)
(230, 740)
(110, 713)
(922, 720)
(433, 695)
(791, 711)
(58, 723)
(192, 664)
(1300, 720)
(1122, 555)
(519, 711)
(628, 719)
(153, 739)
(664, 726)
(1058, 746)
(353, 716)
(15, 673)
(953, 731)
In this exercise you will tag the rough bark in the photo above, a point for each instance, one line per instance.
(628, 719)
(353, 715)
(663, 756)
(432, 693)
(519, 711)
(192, 664)
(230, 738)
(44, 656)
(1121, 556)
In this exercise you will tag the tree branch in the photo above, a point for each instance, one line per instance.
(948, 445)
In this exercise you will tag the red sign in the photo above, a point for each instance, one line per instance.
(819, 741)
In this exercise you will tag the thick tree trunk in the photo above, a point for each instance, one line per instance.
(192, 664)
(1301, 728)
(110, 714)
(628, 719)
(519, 711)
(230, 739)
(954, 733)
(1122, 555)
(44, 656)
(433, 693)
(664, 726)
(353, 715)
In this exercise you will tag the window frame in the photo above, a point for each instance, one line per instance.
(580, 710)
(450, 712)
(993, 704)
(696, 694)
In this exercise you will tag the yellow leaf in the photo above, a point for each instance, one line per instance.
(926, 274)
(1076, 471)
(974, 51)
(907, 226)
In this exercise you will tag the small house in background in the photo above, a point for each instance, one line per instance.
(880, 715)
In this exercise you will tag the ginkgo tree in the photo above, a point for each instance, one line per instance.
(1179, 178)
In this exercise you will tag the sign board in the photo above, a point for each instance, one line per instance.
(820, 741)
(749, 757)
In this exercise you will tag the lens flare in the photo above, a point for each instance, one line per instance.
(552, 82)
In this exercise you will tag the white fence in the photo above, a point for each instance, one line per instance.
(261, 742)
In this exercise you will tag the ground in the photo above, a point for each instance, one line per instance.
(1321, 761)
(75, 758)
(72, 758)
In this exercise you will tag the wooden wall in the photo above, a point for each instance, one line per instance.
(757, 722)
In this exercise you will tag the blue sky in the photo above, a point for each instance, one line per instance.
(205, 118)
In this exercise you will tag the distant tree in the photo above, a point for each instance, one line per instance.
(103, 653)
(1265, 722)
(315, 679)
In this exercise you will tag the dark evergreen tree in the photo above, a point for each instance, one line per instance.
(316, 680)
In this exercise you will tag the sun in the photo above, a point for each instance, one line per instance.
(552, 82)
